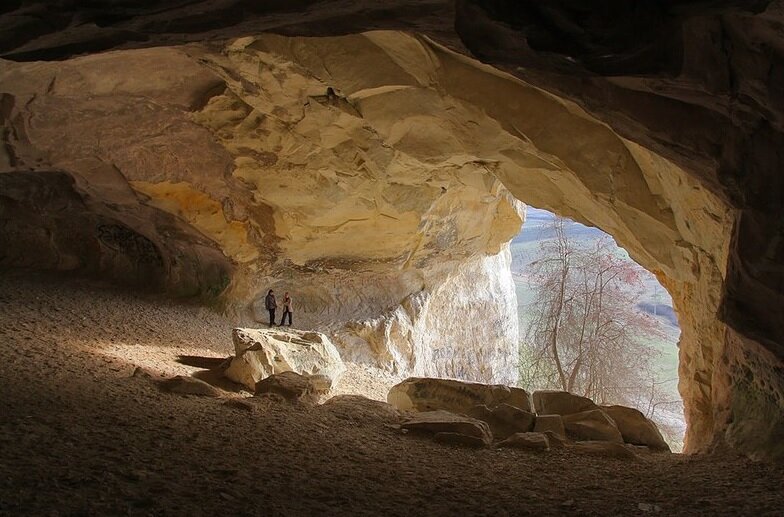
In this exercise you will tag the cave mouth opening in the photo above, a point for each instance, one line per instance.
(617, 337)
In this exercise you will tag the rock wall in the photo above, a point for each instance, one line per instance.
(659, 124)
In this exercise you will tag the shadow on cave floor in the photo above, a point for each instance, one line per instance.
(79, 434)
(205, 363)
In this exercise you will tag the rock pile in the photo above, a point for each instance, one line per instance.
(475, 414)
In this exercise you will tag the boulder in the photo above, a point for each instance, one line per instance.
(605, 449)
(636, 428)
(445, 422)
(592, 425)
(189, 386)
(291, 386)
(504, 420)
(552, 423)
(260, 353)
(526, 441)
(430, 394)
(551, 402)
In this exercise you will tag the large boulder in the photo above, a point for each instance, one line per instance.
(429, 394)
(636, 428)
(551, 402)
(446, 423)
(259, 353)
(592, 425)
(504, 420)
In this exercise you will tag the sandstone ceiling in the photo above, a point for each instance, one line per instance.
(658, 121)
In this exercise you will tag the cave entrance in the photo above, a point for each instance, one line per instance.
(616, 336)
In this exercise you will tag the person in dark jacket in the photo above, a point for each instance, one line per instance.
(287, 308)
(271, 305)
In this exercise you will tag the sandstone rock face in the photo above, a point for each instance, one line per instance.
(260, 353)
(551, 402)
(550, 423)
(635, 428)
(426, 394)
(453, 428)
(163, 166)
(592, 425)
(504, 420)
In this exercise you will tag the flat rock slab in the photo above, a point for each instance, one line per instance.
(446, 422)
(259, 353)
(550, 402)
(430, 394)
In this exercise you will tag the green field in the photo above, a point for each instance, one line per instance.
(653, 299)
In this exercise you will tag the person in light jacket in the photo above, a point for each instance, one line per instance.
(271, 305)
(287, 308)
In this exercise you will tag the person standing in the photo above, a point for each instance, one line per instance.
(287, 308)
(271, 305)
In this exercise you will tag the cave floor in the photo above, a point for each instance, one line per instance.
(80, 435)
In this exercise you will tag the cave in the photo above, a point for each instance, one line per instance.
(375, 159)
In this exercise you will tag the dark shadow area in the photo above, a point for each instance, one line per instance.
(207, 363)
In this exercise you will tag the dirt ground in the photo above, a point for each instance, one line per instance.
(81, 435)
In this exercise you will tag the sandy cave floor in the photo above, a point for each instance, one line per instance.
(80, 435)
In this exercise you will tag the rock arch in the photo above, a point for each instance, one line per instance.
(385, 201)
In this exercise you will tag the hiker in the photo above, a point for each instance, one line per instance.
(271, 305)
(286, 308)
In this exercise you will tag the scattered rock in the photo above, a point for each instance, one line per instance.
(445, 422)
(649, 508)
(636, 428)
(430, 394)
(260, 353)
(504, 420)
(552, 423)
(291, 386)
(592, 425)
(606, 449)
(526, 441)
(550, 402)
(183, 385)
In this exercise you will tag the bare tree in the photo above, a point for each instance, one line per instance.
(585, 333)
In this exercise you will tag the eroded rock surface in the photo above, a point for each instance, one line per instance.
(427, 394)
(452, 428)
(662, 124)
(259, 353)
(635, 428)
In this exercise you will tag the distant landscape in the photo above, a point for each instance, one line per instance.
(653, 299)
